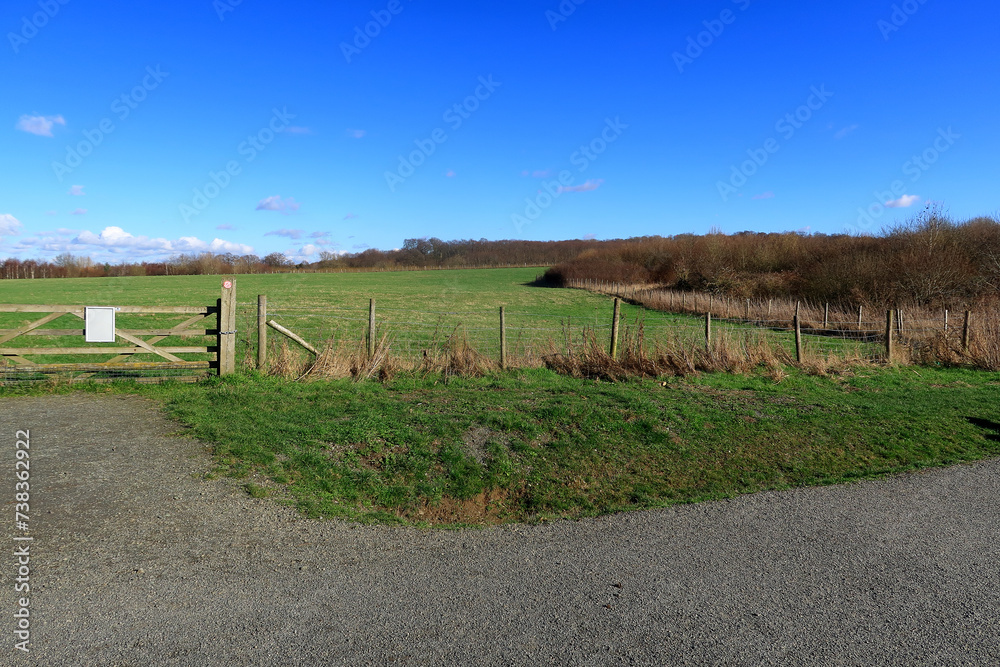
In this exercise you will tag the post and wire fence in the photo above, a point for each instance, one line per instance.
(663, 331)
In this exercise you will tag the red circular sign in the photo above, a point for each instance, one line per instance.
(227, 284)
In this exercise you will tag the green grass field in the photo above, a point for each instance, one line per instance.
(419, 310)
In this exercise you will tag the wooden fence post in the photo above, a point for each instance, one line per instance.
(798, 335)
(261, 331)
(371, 328)
(503, 340)
(747, 318)
(708, 330)
(946, 320)
(614, 330)
(965, 332)
(888, 336)
(826, 315)
(860, 308)
(227, 328)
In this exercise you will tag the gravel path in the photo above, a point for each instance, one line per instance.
(137, 561)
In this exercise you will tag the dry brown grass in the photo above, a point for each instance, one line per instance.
(729, 353)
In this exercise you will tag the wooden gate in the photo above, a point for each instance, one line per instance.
(216, 322)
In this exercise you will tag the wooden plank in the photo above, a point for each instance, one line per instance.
(280, 329)
(28, 327)
(98, 368)
(79, 310)
(19, 360)
(187, 333)
(17, 351)
(143, 344)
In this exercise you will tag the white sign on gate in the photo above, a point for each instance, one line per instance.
(100, 324)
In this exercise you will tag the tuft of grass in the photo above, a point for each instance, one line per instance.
(255, 491)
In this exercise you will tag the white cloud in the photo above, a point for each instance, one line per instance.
(40, 125)
(9, 225)
(80, 211)
(356, 134)
(275, 203)
(586, 187)
(116, 239)
(76, 191)
(905, 201)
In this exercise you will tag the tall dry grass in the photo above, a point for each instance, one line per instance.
(923, 335)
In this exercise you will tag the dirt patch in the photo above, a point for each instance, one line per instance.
(490, 507)
(476, 442)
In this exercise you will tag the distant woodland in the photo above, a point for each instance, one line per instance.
(931, 260)
(928, 261)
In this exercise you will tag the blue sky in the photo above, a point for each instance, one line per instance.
(141, 130)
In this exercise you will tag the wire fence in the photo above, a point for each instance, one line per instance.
(527, 338)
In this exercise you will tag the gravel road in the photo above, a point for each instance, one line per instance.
(138, 561)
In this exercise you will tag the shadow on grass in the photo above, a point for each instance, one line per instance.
(986, 424)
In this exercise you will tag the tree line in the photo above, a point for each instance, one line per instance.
(415, 253)
(930, 260)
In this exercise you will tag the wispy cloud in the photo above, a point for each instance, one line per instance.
(356, 134)
(537, 173)
(225, 227)
(360, 246)
(585, 187)
(40, 125)
(905, 201)
(589, 237)
(450, 173)
(350, 216)
(287, 233)
(276, 203)
(9, 225)
(297, 129)
(76, 191)
(764, 195)
(319, 235)
(845, 131)
(80, 211)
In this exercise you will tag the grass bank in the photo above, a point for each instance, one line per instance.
(535, 445)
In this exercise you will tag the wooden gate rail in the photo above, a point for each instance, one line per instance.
(217, 321)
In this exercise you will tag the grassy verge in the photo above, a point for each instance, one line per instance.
(535, 445)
